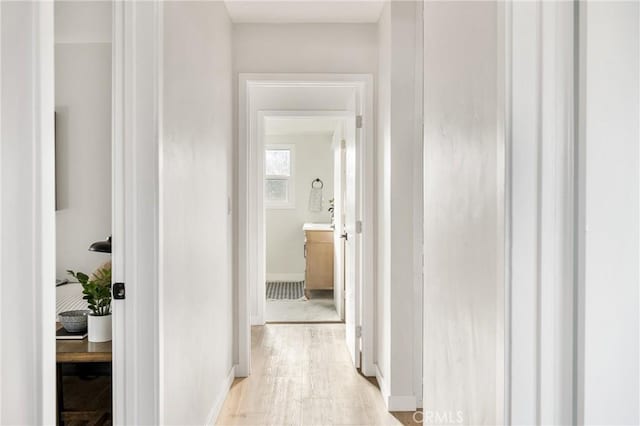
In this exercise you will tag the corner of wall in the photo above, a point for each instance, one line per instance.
(220, 397)
(384, 387)
(395, 402)
(401, 403)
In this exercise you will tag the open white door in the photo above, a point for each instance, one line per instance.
(352, 294)
(136, 126)
(338, 220)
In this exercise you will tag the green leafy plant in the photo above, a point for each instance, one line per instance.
(96, 290)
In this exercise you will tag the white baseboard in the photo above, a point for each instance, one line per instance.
(222, 395)
(384, 387)
(394, 402)
(401, 403)
(257, 320)
(285, 277)
(369, 369)
(241, 372)
(382, 384)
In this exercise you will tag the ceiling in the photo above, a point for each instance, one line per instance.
(299, 126)
(304, 11)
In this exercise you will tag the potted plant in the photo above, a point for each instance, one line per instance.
(97, 293)
(332, 208)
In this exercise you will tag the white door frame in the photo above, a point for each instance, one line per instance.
(260, 318)
(540, 71)
(27, 213)
(251, 227)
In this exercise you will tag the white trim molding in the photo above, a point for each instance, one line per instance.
(27, 221)
(220, 398)
(28, 226)
(418, 209)
(137, 82)
(250, 251)
(394, 402)
(540, 149)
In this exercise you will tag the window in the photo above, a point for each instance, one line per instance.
(278, 176)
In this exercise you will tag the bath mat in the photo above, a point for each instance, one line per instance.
(285, 290)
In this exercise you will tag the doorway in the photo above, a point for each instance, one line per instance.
(303, 178)
(346, 98)
(83, 213)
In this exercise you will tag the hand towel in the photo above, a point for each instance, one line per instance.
(315, 200)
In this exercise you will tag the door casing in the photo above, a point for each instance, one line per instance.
(250, 221)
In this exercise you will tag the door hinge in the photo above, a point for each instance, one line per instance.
(358, 122)
(358, 227)
(358, 331)
(118, 291)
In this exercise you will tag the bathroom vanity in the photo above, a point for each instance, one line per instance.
(318, 253)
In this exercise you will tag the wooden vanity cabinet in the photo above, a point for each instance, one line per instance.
(318, 252)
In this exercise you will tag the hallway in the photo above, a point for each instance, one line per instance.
(302, 374)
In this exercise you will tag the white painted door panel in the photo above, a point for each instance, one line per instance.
(352, 306)
(338, 220)
(135, 192)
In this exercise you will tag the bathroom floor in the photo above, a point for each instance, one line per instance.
(319, 308)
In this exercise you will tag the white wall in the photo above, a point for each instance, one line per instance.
(300, 48)
(609, 232)
(383, 200)
(398, 158)
(195, 222)
(87, 21)
(27, 221)
(462, 310)
(83, 132)
(284, 234)
(339, 48)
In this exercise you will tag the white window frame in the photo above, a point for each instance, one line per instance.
(291, 198)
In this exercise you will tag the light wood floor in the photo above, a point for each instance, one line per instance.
(302, 375)
(319, 308)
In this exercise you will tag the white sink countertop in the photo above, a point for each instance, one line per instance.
(317, 227)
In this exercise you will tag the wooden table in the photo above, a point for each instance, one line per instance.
(83, 352)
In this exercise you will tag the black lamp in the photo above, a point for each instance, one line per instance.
(101, 246)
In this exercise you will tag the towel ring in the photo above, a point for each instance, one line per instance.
(316, 181)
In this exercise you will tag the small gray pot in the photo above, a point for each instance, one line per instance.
(74, 321)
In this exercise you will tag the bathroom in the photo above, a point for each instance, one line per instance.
(300, 165)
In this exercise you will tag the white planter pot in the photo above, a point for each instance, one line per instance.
(99, 328)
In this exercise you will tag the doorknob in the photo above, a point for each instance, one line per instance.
(345, 236)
